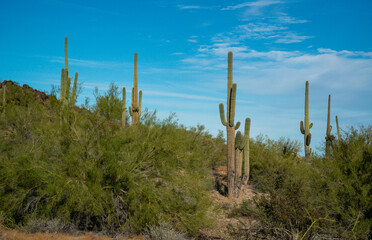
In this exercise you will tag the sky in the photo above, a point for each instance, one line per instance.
(182, 48)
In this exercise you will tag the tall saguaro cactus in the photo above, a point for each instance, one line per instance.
(65, 96)
(124, 112)
(305, 128)
(135, 109)
(329, 137)
(230, 126)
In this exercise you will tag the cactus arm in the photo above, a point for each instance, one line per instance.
(130, 111)
(302, 129)
(237, 125)
(232, 105)
(222, 114)
(73, 95)
(311, 125)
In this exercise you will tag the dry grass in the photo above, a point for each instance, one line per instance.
(16, 235)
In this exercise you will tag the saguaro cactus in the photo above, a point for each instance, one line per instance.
(338, 131)
(329, 138)
(135, 109)
(305, 129)
(239, 147)
(246, 151)
(124, 111)
(65, 96)
(242, 156)
(230, 126)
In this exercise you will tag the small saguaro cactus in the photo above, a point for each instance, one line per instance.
(329, 137)
(124, 111)
(242, 157)
(338, 131)
(135, 109)
(246, 151)
(65, 96)
(239, 147)
(230, 126)
(305, 129)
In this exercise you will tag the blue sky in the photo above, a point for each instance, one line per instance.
(182, 56)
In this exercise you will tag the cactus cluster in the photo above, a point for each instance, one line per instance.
(230, 126)
(67, 98)
(135, 109)
(305, 126)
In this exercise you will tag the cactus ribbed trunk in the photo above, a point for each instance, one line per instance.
(305, 130)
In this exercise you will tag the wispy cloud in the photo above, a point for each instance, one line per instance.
(188, 7)
(255, 4)
(88, 63)
(183, 95)
(261, 31)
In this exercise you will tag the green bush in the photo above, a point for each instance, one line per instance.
(301, 200)
(97, 176)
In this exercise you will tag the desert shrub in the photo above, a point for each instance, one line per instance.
(321, 199)
(97, 176)
(349, 183)
(164, 232)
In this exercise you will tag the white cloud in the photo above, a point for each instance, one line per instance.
(260, 31)
(254, 4)
(188, 7)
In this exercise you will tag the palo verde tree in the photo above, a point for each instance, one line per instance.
(230, 126)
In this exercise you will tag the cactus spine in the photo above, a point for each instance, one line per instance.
(329, 138)
(65, 97)
(305, 130)
(230, 126)
(124, 112)
(135, 109)
(338, 131)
